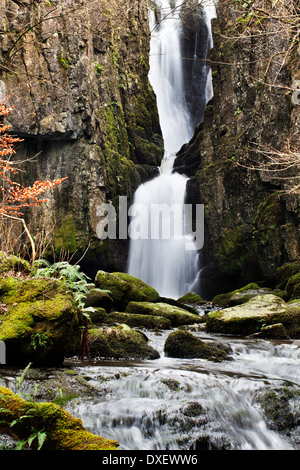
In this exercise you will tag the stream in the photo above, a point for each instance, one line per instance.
(185, 404)
(180, 404)
(177, 404)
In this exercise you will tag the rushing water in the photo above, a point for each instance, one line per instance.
(160, 258)
(176, 404)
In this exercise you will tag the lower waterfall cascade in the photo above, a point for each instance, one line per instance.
(192, 404)
(164, 263)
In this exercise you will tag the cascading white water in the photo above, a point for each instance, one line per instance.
(163, 261)
(175, 404)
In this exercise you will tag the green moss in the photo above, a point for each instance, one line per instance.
(293, 286)
(63, 432)
(41, 322)
(236, 252)
(183, 344)
(13, 263)
(223, 299)
(191, 298)
(120, 342)
(125, 288)
(139, 321)
(177, 316)
(285, 272)
(67, 236)
(278, 408)
(250, 317)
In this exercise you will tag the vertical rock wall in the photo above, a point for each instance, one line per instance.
(251, 226)
(77, 73)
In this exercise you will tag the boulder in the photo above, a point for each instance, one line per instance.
(39, 321)
(47, 425)
(98, 298)
(124, 288)
(191, 298)
(139, 321)
(276, 331)
(120, 342)
(182, 344)
(239, 296)
(250, 317)
(97, 315)
(177, 316)
(288, 279)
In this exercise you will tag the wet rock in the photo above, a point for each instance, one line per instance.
(258, 312)
(120, 342)
(182, 344)
(278, 406)
(276, 331)
(178, 316)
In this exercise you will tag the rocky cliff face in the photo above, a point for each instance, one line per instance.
(77, 73)
(251, 226)
(78, 76)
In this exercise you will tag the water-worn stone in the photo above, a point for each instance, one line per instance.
(276, 331)
(183, 344)
(258, 312)
(177, 316)
(191, 298)
(120, 342)
(39, 322)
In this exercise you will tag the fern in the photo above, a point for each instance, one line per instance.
(76, 281)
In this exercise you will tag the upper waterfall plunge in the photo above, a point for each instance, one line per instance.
(164, 262)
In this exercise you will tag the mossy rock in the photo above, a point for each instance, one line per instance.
(293, 287)
(239, 296)
(120, 342)
(191, 298)
(125, 288)
(276, 331)
(13, 264)
(177, 316)
(39, 323)
(98, 298)
(98, 315)
(285, 272)
(61, 430)
(182, 344)
(278, 407)
(250, 317)
(139, 321)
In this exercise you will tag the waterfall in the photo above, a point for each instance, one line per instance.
(160, 256)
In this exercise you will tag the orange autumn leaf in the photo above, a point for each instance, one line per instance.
(14, 196)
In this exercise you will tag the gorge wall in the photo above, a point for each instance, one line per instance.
(252, 217)
(77, 73)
